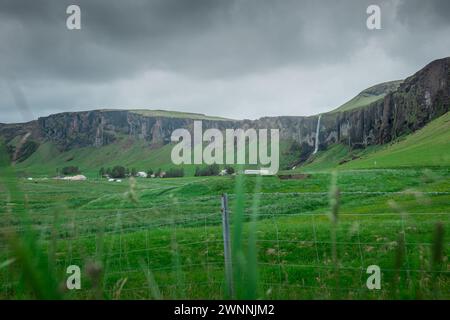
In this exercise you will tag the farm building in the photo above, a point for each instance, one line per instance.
(262, 172)
(78, 177)
(141, 174)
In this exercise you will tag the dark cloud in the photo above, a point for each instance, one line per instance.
(238, 58)
(418, 14)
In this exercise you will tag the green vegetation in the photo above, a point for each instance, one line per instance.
(306, 238)
(125, 151)
(229, 169)
(174, 173)
(210, 170)
(118, 172)
(19, 152)
(25, 150)
(327, 159)
(176, 114)
(119, 233)
(427, 147)
(70, 170)
(370, 95)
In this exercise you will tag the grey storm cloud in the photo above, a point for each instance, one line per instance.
(234, 58)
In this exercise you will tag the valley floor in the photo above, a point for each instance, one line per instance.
(162, 238)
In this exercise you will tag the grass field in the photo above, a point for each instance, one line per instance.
(162, 238)
(309, 238)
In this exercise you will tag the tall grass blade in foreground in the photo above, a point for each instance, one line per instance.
(35, 271)
(334, 210)
(244, 260)
(252, 252)
(437, 257)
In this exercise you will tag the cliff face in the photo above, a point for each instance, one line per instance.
(100, 127)
(419, 99)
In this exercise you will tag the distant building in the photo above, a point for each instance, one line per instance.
(263, 172)
(141, 174)
(78, 177)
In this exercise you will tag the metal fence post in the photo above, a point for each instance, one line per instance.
(226, 246)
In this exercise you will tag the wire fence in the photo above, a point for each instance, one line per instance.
(185, 253)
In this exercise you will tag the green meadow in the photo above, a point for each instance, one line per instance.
(308, 238)
(162, 238)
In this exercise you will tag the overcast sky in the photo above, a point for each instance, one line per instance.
(231, 58)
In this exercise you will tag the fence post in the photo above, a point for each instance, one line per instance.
(226, 246)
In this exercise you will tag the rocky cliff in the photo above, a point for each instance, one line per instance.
(419, 99)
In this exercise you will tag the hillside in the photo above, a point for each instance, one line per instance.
(427, 147)
(369, 95)
(432, 143)
(126, 151)
(141, 138)
(176, 114)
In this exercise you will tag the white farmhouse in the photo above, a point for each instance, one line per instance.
(263, 172)
(141, 174)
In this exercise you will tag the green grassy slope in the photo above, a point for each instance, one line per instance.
(126, 151)
(326, 159)
(429, 146)
(366, 97)
(176, 114)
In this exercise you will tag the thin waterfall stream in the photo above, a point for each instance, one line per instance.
(316, 146)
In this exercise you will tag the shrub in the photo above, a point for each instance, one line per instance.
(211, 170)
(118, 172)
(70, 170)
(174, 172)
(214, 169)
(229, 170)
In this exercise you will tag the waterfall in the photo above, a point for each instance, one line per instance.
(316, 147)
